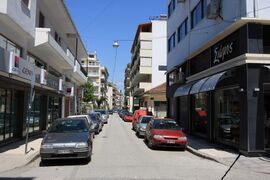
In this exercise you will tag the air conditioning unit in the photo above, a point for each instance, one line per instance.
(181, 1)
(213, 9)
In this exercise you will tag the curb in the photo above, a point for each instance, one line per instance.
(33, 158)
(209, 157)
(203, 155)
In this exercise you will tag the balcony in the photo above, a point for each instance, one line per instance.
(51, 51)
(93, 74)
(141, 88)
(18, 17)
(78, 74)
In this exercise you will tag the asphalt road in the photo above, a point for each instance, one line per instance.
(119, 154)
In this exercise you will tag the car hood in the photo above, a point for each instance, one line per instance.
(168, 133)
(66, 137)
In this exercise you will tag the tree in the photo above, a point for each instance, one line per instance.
(88, 92)
(100, 100)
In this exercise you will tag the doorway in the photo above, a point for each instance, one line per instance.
(267, 121)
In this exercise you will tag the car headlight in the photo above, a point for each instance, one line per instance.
(158, 137)
(46, 146)
(81, 145)
(184, 138)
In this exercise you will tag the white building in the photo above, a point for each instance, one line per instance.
(41, 50)
(148, 61)
(98, 74)
(218, 71)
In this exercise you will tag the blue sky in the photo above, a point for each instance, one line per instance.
(100, 23)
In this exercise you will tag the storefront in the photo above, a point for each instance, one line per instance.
(225, 95)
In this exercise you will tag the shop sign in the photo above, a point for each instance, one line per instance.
(52, 81)
(21, 67)
(43, 76)
(69, 89)
(228, 48)
(222, 52)
(60, 87)
(4, 60)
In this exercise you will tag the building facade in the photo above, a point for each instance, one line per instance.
(148, 61)
(127, 93)
(98, 75)
(39, 66)
(218, 71)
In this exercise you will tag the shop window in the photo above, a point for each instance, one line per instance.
(227, 115)
(8, 114)
(54, 109)
(35, 115)
(200, 114)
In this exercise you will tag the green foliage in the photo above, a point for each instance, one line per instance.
(88, 92)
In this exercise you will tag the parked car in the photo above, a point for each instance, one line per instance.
(135, 117)
(67, 138)
(142, 123)
(104, 115)
(97, 122)
(165, 133)
(91, 124)
(110, 112)
(128, 117)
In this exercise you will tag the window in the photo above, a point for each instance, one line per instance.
(200, 114)
(41, 20)
(10, 46)
(182, 30)
(227, 115)
(171, 42)
(35, 61)
(171, 7)
(198, 13)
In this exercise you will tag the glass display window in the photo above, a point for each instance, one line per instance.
(227, 115)
(200, 114)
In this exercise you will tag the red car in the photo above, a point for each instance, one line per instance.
(136, 116)
(128, 117)
(165, 133)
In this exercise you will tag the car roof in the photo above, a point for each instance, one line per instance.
(78, 116)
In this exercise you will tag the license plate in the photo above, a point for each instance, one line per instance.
(64, 151)
(171, 142)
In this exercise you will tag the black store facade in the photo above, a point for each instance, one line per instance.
(223, 93)
(16, 75)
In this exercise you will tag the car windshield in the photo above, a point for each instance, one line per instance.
(93, 117)
(71, 125)
(101, 111)
(145, 120)
(166, 124)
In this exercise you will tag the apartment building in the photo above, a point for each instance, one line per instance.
(218, 71)
(39, 66)
(148, 61)
(98, 74)
(127, 93)
(114, 96)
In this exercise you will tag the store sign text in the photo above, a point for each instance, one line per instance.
(221, 52)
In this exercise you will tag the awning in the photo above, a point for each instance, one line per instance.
(211, 82)
(197, 86)
(183, 90)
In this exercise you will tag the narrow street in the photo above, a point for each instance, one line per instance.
(119, 154)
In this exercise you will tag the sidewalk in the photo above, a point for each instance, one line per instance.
(13, 155)
(204, 149)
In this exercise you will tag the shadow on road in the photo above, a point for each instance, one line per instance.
(64, 162)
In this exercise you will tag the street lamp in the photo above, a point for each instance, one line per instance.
(115, 45)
